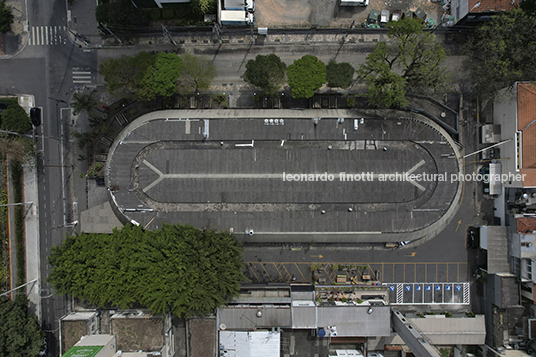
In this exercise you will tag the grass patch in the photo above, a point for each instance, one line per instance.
(16, 175)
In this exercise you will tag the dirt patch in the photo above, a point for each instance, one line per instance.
(72, 332)
(202, 337)
(134, 334)
(328, 13)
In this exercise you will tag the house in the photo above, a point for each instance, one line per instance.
(472, 12)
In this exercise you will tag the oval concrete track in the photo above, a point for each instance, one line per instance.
(287, 179)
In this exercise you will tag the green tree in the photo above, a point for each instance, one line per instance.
(20, 334)
(266, 72)
(202, 7)
(197, 74)
(120, 14)
(339, 74)
(501, 51)
(413, 54)
(306, 75)
(6, 17)
(160, 79)
(14, 118)
(178, 269)
(124, 75)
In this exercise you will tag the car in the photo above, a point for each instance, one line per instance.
(384, 18)
(35, 116)
(250, 5)
(473, 237)
(373, 16)
(356, 124)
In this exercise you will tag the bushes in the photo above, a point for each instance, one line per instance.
(14, 118)
(16, 175)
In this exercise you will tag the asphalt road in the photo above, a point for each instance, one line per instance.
(45, 68)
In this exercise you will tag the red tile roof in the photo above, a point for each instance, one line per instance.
(526, 225)
(526, 123)
(492, 5)
(526, 104)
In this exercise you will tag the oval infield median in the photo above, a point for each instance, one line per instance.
(287, 175)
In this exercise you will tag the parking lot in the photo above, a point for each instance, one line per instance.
(328, 13)
(286, 272)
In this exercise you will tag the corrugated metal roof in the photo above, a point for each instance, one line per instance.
(250, 343)
(245, 318)
(356, 321)
(304, 317)
(497, 249)
(453, 330)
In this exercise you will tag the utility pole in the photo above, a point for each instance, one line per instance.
(217, 31)
(167, 34)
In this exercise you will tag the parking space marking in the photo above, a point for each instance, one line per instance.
(300, 271)
(269, 277)
(253, 271)
(402, 272)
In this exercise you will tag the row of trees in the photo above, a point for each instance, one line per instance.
(178, 269)
(6, 17)
(146, 76)
(305, 75)
(411, 61)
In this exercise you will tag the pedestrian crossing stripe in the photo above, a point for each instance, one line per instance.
(81, 75)
(47, 35)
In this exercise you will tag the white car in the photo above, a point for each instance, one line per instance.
(250, 5)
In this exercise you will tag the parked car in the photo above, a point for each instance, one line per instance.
(407, 14)
(397, 14)
(419, 13)
(35, 116)
(384, 17)
(473, 237)
(373, 17)
(250, 5)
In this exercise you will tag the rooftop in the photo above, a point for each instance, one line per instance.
(492, 5)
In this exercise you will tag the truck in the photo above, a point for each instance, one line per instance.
(234, 5)
(236, 18)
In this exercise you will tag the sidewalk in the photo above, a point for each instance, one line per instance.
(13, 42)
(31, 229)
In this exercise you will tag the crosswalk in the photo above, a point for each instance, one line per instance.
(82, 75)
(47, 35)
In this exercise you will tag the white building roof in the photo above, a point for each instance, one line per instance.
(250, 343)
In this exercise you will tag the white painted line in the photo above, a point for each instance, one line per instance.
(46, 35)
(78, 72)
(55, 35)
(32, 42)
(41, 35)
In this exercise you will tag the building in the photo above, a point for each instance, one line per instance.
(472, 12)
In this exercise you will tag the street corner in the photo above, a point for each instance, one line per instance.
(79, 40)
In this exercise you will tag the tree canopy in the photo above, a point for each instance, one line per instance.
(202, 7)
(501, 51)
(124, 75)
(339, 74)
(145, 75)
(160, 79)
(197, 74)
(266, 72)
(14, 118)
(6, 17)
(20, 334)
(413, 54)
(178, 269)
(306, 75)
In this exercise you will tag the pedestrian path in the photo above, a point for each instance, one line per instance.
(82, 75)
(47, 35)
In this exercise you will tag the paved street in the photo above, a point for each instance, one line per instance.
(51, 67)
